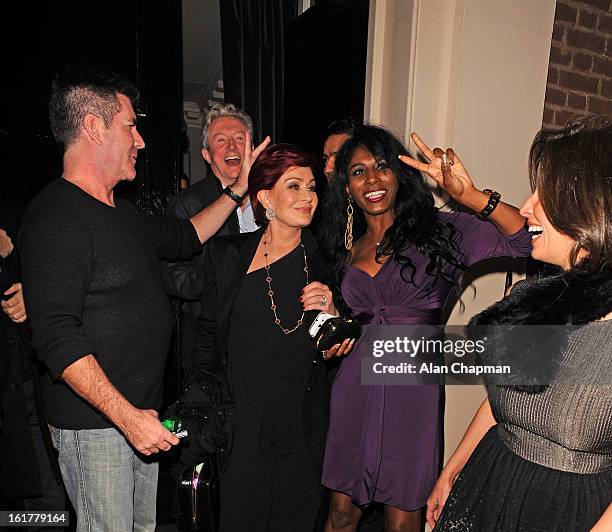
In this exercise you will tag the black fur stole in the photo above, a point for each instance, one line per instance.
(570, 298)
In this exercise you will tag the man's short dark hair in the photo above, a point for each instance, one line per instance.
(345, 126)
(80, 89)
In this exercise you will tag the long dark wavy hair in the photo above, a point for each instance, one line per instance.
(572, 170)
(416, 218)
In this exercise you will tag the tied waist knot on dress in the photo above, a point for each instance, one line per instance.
(397, 315)
(378, 470)
(388, 323)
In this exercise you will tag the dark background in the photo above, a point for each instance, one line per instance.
(141, 40)
(292, 74)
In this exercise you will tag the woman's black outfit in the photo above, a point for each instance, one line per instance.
(278, 384)
(547, 463)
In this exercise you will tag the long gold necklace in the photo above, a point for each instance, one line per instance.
(271, 292)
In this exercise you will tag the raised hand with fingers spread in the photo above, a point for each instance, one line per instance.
(444, 167)
(250, 155)
(447, 170)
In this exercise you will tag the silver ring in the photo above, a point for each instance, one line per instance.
(323, 300)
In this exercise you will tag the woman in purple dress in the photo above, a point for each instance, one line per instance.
(394, 259)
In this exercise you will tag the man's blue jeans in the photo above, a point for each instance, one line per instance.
(112, 487)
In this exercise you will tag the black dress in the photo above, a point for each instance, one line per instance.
(547, 464)
(271, 483)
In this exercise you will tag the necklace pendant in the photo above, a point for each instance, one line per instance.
(277, 320)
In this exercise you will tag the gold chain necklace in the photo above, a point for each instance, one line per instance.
(271, 292)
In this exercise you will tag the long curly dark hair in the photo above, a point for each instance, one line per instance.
(416, 218)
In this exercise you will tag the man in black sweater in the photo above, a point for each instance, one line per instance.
(96, 300)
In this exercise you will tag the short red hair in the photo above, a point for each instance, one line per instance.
(271, 164)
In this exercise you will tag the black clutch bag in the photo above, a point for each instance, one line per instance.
(327, 330)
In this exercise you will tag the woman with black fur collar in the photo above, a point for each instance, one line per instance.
(538, 455)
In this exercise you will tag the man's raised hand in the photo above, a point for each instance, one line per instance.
(250, 155)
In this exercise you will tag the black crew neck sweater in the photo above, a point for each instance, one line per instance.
(93, 285)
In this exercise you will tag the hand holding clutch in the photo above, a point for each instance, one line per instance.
(327, 331)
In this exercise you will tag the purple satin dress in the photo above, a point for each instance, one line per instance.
(383, 443)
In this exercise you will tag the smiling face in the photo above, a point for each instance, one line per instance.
(121, 143)
(549, 244)
(330, 151)
(293, 197)
(226, 141)
(371, 183)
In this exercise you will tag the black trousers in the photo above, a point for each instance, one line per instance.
(271, 484)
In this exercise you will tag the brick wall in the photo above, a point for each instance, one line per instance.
(580, 68)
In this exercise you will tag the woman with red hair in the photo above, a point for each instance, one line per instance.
(262, 291)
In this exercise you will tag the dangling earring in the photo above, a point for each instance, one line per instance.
(270, 213)
(348, 233)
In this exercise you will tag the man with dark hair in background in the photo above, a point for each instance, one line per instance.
(97, 302)
(338, 132)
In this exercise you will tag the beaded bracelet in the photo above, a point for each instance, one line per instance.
(494, 198)
(227, 190)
